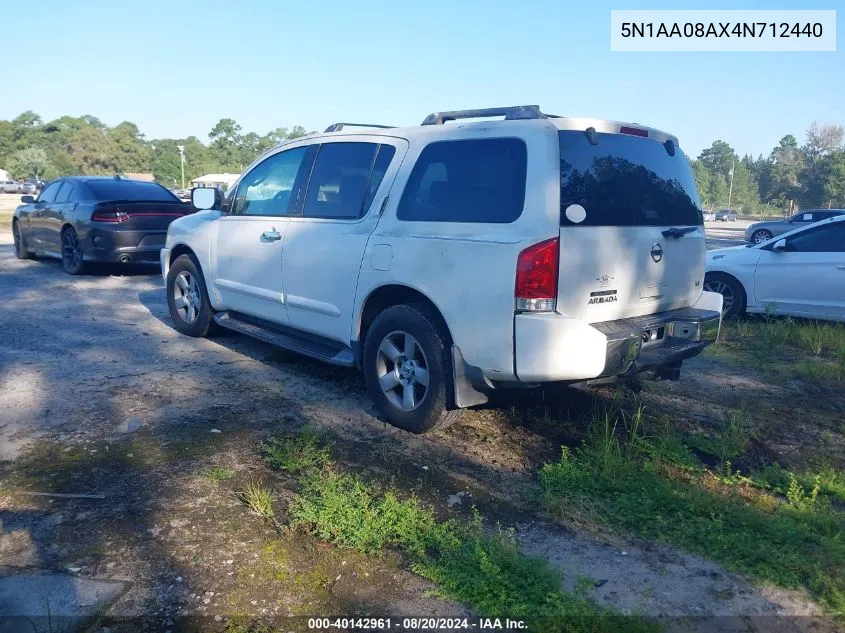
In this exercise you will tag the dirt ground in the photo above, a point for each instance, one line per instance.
(101, 396)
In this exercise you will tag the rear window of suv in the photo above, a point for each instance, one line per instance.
(477, 180)
(624, 180)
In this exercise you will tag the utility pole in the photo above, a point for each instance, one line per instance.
(181, 149)
(731, 188)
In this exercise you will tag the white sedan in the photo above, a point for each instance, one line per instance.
(800, 273)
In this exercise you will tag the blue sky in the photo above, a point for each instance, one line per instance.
(175, 68)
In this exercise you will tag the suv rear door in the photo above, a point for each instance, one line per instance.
(632, 234)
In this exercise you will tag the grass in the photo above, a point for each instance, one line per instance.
(814, 350)
(218, 474)
(788, 535)
(480, 568)
(257, 498)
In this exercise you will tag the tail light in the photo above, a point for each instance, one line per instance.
(109, 214)
(536, 277)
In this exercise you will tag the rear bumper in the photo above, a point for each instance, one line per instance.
(554, 348)
(110, 245)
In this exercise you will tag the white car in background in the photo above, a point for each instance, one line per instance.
(8, 186)
(801, 274)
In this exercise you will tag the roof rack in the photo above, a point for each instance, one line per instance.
(335, 127)
(510, 113)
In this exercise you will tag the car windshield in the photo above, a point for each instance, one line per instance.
(130, 191)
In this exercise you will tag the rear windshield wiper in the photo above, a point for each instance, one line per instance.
(678, 232)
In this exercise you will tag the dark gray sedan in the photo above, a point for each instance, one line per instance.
(762, 231)
(83, 219)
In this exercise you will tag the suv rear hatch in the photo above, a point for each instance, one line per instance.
(632, 234)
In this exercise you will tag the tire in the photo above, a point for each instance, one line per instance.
(731, 290)
(761, 235)
(21, 251)
(400, 334)
(72, 260)
(193, 314)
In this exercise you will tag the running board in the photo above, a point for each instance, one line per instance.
(287, 338)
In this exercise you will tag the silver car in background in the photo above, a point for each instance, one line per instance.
(762, 231)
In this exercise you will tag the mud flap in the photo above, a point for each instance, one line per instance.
(468, 381)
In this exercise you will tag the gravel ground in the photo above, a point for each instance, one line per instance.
(93, 362)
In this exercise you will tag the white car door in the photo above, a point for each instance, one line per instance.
(250, 238)
(807, 277)
(328, 235)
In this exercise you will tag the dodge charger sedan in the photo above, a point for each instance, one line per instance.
(95, 219)
(801, 274)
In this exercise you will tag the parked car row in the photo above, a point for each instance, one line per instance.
(26, 187)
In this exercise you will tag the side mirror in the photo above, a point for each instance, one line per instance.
(27, 199)
(780, 245)
(204, 198)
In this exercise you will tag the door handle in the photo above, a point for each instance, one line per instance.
(840, 267)
(271, 236)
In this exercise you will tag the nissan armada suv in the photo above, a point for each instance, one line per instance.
(456, 258)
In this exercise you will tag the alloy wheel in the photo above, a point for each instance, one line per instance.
(402, 370)
(723, 289)
(186, 296)
(71, 253)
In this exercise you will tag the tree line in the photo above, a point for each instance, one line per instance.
(791, 176)
(31, 148)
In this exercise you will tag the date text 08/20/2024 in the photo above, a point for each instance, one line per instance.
(414, 623)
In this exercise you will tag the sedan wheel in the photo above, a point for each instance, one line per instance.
(20, 245)
(71, 253)
(733, 295)
(761, 236)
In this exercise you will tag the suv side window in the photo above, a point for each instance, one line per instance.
(477, 180)
(343, 178)
(829, 238)
(269, 188)
(49, 194)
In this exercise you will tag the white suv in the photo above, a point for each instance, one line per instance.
(455, 258)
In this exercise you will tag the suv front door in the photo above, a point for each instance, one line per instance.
(808, 277)
(248, 274)
(327, 236)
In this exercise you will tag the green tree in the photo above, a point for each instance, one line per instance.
(226, 145)
(718, 158)
(28, 163)
(833, 178)
(132, 152)
(92, 152)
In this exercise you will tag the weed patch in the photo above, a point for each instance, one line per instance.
(258, 498)
(464, 560)
(218, 474)
(793, 542)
